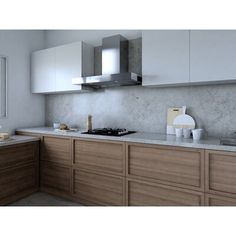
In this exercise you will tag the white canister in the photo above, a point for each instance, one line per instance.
(187, 132)
(178, 132)
(56, 125)
(197, 134)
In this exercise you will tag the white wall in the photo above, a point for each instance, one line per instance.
(93, 37)
(24, 108)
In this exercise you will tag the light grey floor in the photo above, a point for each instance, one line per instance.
(43, 199)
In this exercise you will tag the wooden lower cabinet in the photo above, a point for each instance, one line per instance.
(215, 200)
(98, 189)
(100, 156)
(55, 179)
(220, 176)
(17, 182)
(142, 193)
(57, 150)
(180, 167)
(18, 154)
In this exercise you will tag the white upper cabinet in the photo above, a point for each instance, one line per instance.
(165, 57)
(73, 60)
(212, 56)
(43, 71)
(54, 68)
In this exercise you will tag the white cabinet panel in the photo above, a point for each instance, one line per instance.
(68, 61)
(165, 57)
(212, 55)
(54, 68)
(43, 71)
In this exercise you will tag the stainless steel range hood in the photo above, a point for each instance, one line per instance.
(115, 63)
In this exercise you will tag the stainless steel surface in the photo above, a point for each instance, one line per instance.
(103, 81)
(114, 55)
(114, 66)
(228, 141)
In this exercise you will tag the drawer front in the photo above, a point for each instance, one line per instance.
(106, 157)
(96, 189)
(173, 166)
(57, 150)
(141, 193)
(16, 180)
(214, 200)
(55, 178)
(221, 172)
(18, 154)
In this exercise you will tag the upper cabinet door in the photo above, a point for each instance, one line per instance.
(43, 71)
(70, 60)
(52, 69)
(165, 57)
(212, 55)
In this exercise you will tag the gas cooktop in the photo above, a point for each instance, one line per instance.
(109, 132)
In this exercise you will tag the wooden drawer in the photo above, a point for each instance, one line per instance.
(182, 167)
(142, 193)
(57, 150)
(221, 173)
(97, 189)
(102, 156)
(55, 178)
(13, 181)
(214, 200)
(18, 154)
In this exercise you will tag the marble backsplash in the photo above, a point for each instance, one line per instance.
(145, 109)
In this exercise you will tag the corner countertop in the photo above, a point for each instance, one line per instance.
(139, 137)
(18, 139)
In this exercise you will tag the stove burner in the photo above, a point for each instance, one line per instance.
(109, 131)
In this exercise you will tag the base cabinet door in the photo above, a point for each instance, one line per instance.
(215, 200)
(180, 167)
(17, 182)
(55, 179)
(97, 189)
(221, 173)
(141, 193)
(100, 156)
(18, 154)
(57, 150)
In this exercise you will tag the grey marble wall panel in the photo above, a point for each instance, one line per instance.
(145, 109)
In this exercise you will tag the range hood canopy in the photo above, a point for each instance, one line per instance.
(115, 63)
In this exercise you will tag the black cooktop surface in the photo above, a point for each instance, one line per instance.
(109, 132)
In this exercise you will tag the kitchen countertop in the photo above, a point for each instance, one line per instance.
(18, 139)
(139, 137)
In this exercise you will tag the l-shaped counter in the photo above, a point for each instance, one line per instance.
(140, 169)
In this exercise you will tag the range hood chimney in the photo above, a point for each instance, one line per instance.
(115, 66)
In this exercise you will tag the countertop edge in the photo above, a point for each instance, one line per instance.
(18, 139)
(210, 144)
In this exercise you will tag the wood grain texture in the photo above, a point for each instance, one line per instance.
(14, 181)
(96, 189)
(221, 173)
(55, 177)
(57, 150)
(181, 167)
(101, 156)
(15, 155)
(142, 193)
(215, 200)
